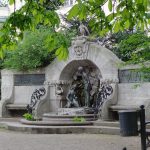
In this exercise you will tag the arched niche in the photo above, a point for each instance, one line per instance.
(84, 53)
(70, 69)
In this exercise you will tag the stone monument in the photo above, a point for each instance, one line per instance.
(72, 84)
(86, 93)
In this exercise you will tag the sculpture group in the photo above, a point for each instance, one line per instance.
(87, 90)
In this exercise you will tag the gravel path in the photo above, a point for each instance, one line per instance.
(22, 141)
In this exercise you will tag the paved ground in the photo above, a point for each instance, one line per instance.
(22, 141)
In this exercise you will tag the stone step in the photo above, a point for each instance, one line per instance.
(54, 115)
(16, 106)
(67, 118)
(12, 119)
(99, 127)
(112, 124)
(15, 126)
(106, 123)
(55, 123)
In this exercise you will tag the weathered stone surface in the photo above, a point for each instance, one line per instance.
(132, 76)
(15, 95)
(28, 79)
(131, 95)
(56, 123)
(71, 111)
(85, 53)
(97, 56)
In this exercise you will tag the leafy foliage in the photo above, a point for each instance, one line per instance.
(30, 53)
(3, 3)
(28, 116)
(136, 47)
(37, 49)
(125, 14)
(60, 41)
(111, 41)
(33, 13)
(79, 119)
(129, 45)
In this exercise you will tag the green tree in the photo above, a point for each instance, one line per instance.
(30, 53)
(124, 14)
(135, 47)
(37, 49)
(29, 17)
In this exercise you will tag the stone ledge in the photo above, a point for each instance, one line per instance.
(15, 126)
(53, 115)
(124, 107)
(16, 106)
(48, 123)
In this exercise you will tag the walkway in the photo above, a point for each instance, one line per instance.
(22, 141)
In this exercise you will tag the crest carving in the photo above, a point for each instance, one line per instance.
(80, 48)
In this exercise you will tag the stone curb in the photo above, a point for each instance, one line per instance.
(16, 126)
(49, 123)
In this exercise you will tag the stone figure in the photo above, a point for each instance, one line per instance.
(85, 90)
(83, 30)
(72, 97)
(77, 79)
(86, 85)
(59, 90)
(95, 84)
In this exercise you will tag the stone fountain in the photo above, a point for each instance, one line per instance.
(84, 99)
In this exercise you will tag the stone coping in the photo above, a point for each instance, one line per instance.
(47, 123)
(124, 107)
(98, 127)
(17, 106)
(52, 115)
(34, 129)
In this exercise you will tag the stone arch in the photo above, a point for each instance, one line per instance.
(81, 53)
(72, 67)
(84, 51)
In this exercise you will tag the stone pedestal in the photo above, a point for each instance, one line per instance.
(71, 111)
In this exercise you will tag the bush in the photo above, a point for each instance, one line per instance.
(135, 47)
(38, 49)
(31, 53)
(79, 119)
(28, 116)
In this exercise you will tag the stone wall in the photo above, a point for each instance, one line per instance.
(17, 87)
(133, 89)
(19, 94)
(132, 85)
(82, 53)
(132, 93)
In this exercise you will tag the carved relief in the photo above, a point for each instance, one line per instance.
(58, 89)
(57, 82)
(80, 48)
(83, 89)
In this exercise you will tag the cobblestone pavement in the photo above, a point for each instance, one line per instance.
(22, 141)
